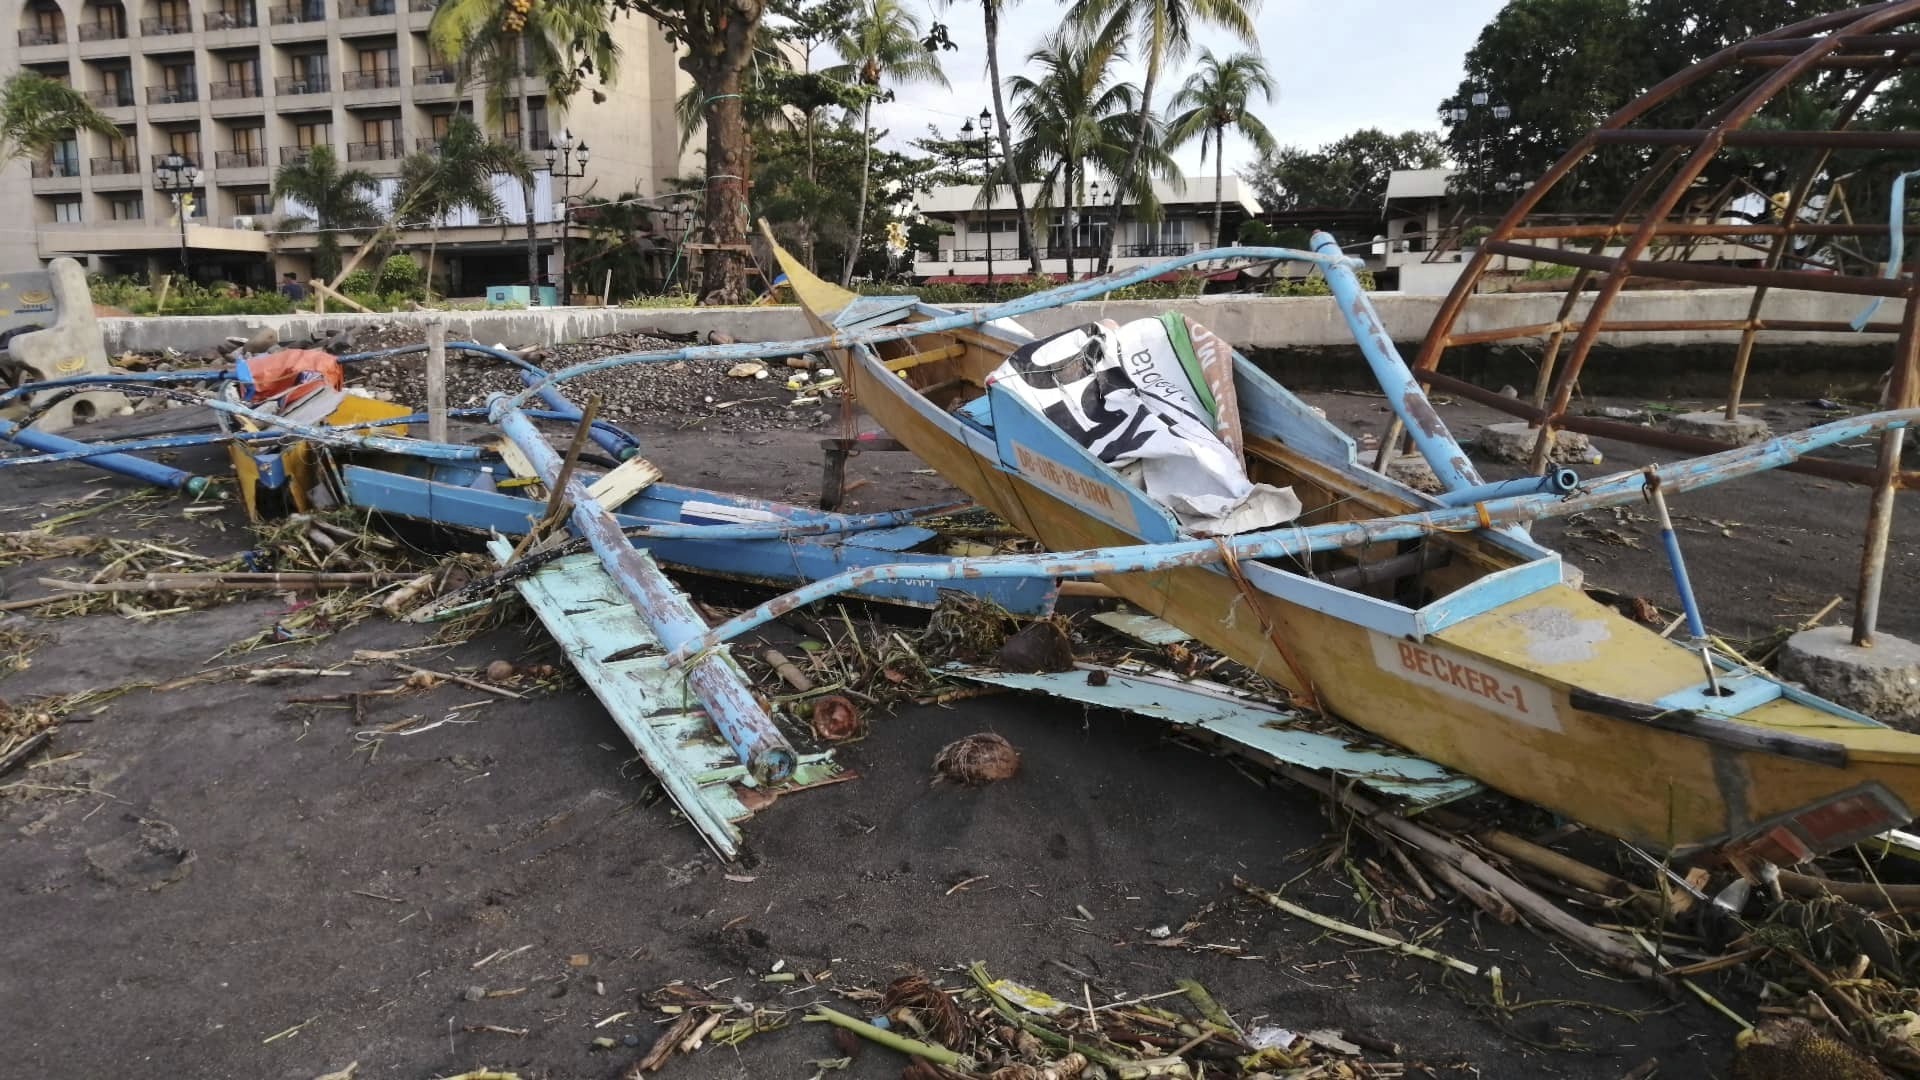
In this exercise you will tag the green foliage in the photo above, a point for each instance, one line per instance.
(183, 298)
(824, 211)
(358, 281)
(402, 275)
(338, 198)
(1315, 284)
(36, 113)
(1346, 174)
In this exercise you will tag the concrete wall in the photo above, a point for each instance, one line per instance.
(1248, 322)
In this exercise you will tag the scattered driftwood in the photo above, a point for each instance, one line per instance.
(236, 581)
(12, 758)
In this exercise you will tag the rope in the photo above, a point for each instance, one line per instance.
(1311, 697)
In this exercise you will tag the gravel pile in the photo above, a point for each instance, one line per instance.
(681, 394)
(678, 394)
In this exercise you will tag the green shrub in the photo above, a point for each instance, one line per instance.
(401, 273)
(359, 281)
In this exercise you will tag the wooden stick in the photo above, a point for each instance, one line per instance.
(321, 288)
(1609, 947)
(1472, 891)
(461, 679)
(1349, 930)
(34, 602)
(19, 753)
(939, 1055)
(1865, 893)
(437, 379)
(785, 667)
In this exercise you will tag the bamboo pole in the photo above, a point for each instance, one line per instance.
(1347, 929)
(437, 379)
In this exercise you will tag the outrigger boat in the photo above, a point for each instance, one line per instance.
(1434, 622)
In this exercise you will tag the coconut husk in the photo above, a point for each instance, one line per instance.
(943, 1019)
(976, 760)
(1789, 1049)
(835, 719)
(1040, 646)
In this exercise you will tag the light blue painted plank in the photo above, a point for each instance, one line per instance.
(1247, 722)
(1142, 628)
(898, 538)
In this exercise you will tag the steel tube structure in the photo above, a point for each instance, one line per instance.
(711, 675)
(136, 468)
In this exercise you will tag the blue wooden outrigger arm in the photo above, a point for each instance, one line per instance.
(713, 676)
(1615, 490)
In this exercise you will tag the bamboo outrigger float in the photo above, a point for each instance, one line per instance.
(1433, 622)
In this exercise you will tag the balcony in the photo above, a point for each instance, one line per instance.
(236, 90)
(103, 31)
(242, 159)
(307, 13)
(58, 167)
(30, 38)
(230, 20)
(429, 143)
(291, 154)
(378, 79)
(363, 9)
(116, 173)
(374, 151)
(160, 159)
(318, 82)
(434, 75)
(162, 25)
(423, 5)
(180, 94)
(1152, 251)
(110, 99)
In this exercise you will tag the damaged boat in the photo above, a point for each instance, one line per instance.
(1218, 501)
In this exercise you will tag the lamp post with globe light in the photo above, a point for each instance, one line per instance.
(566, 161)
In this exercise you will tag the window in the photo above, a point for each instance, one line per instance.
(442, 122)
(179, 81)
(110, 22)
(173, 12)
(252, 202)
(66, 211)
(48, 22)
(510, 127)
(245, 70)
(312, 68)
(66, 155)
(118, 84)
(537, 125)
(309, 135)
(384, 130)
(248, 139)
(127, 208)
(185, 143)
(377, 61)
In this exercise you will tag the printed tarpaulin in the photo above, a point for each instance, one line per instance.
(1144, 399)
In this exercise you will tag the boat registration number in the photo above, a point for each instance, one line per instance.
(1457, 676)
(1086, 492)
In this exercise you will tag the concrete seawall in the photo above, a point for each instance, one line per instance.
(1252, 323)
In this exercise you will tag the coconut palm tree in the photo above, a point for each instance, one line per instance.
(1075, 120)
(457, 175)
(335, 199)
(38, 113)
(562, 41)
(1162, 31)
(990, 11)
(881, 45)
(1216, 97)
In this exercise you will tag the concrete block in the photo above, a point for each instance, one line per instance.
(1883, 682)
(1413, 471)
(69, 345)
(1512, 442)
(1739, 431)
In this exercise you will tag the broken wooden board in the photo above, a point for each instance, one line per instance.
(1250, 724)
(619, 658)
(628, 479)
(1144, 629)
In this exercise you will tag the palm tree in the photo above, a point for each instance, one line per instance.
(1216, 97)
(457, 175)
(334, 198)
(990, 17)
(1164, 31)
(881, 45)
(1074, 116)
(38, 113)
(562, 41)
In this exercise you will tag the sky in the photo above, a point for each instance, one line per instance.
(1340, 66)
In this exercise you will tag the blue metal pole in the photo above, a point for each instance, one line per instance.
(711, 674)
(1430, 435)
(127, 465)
(1290, 542)
(1559, 481)
(1696, 626)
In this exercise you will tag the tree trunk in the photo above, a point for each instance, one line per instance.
(1121, 182)
(717, 57)
(1073, 215)
(526, 191)
(866, 175)
(1219, 174)
(991, 9)
(813, 183)
(433, 245)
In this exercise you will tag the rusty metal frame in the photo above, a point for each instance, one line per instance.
(1856, 51)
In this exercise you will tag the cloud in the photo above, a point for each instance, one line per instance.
(1340, 67)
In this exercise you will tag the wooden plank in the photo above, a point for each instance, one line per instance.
(628, 479)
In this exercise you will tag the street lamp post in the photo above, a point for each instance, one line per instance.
(566, 161)
(1482, 103)
(986, 161)
(178, 176)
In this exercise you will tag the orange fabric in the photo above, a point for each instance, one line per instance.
(279, 371)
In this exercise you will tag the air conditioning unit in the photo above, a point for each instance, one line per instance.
(244, 221)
